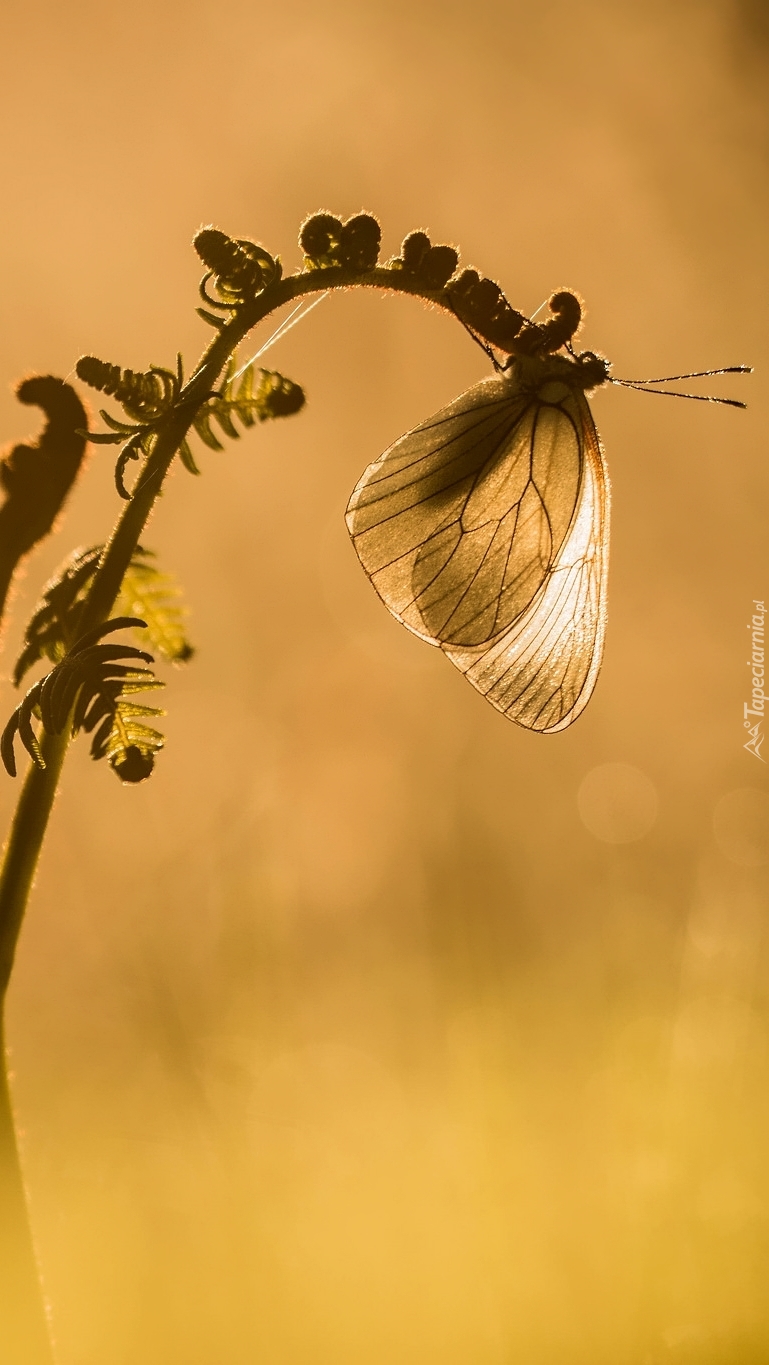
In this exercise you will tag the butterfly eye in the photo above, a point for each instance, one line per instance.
(594, 370)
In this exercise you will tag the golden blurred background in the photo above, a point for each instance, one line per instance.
(374, 1028)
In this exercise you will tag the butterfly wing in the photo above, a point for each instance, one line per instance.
(458, 523)
(478, 531)
(542, 671)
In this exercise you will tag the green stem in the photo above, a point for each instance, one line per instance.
(22, 1317)
(26, 836)
(30, 822)
(23, 1322)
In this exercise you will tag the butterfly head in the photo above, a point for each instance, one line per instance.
(551, 377)
(591, 369)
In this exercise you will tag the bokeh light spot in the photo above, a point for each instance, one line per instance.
(617, 803)
(741, 826)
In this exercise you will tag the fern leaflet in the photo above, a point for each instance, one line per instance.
(147, 592)
(155, 596)
(254, 396)
(122, 736)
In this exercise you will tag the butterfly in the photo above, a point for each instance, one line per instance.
(485, 529)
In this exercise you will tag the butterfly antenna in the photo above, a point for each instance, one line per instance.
(673, 393)
(693, 374)
(646, 385)
(296, 315)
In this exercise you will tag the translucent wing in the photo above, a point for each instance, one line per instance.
(484, 530)
(542, 671)
(459, 522)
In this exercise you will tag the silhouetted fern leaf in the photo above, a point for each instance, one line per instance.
(36, 478)
(54, 621)
(238, 267)
(90, 688)
(147, 593)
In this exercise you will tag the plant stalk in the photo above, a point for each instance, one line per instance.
(36, 800)
(24, 1330)
(24, 1335)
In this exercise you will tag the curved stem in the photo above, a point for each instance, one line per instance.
(128, 529)
(37, 797)
(21, 852)
(23, 1321)
(22, 1315)
(336, 277)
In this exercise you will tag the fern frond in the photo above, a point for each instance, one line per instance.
(93, 686)
(239, 268)
(186, 457)
(256, 395)
(327, 241)
(123, 738)
(55, 617)
(147, 593)
(145, 396)
(155, 597)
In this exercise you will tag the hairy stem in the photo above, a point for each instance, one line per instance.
(23, 1322)
(30, 822)
(23, 1326)
(21, 854)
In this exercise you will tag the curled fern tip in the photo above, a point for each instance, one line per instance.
(133, 765)
(354, 245)
(240, 268)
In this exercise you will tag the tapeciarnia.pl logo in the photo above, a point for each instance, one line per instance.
(755, 707)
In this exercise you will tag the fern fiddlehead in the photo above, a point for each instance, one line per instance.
(326, 242)
(239, 269)
(146, 397)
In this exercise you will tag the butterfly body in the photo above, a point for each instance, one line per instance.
(485, 531)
